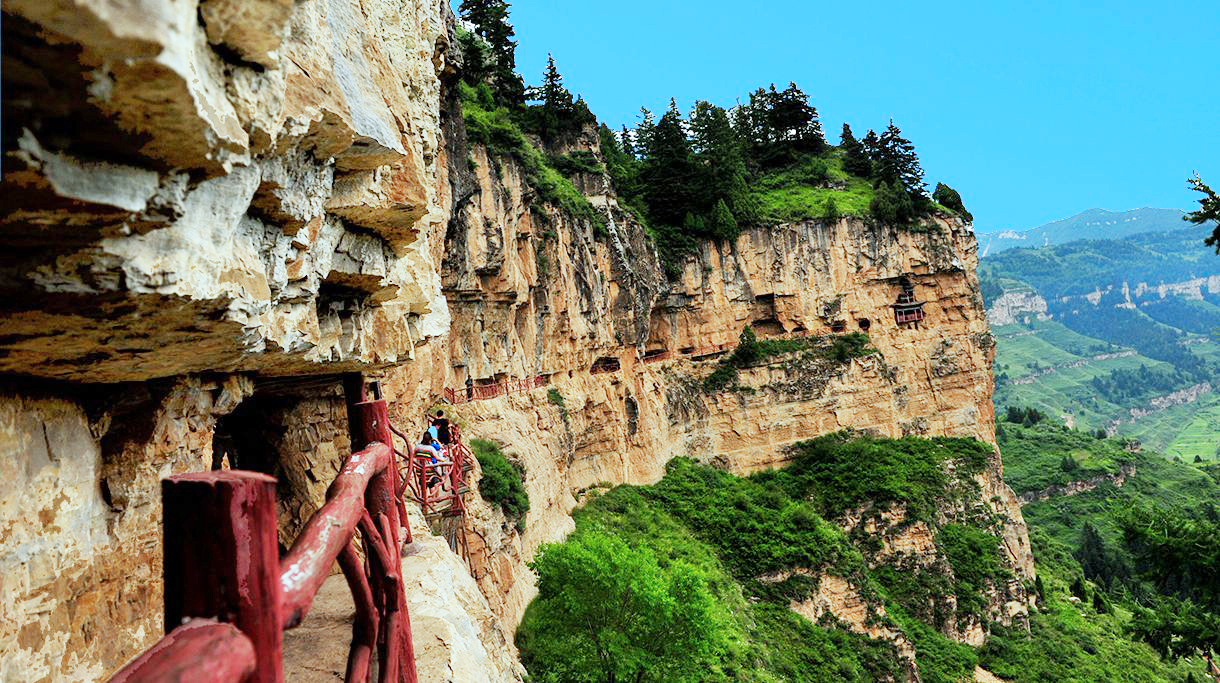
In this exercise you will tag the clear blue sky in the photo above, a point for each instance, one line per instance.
(1034, 111)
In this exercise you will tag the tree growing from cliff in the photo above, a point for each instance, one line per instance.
(557, 111)
(491, 22)
(1209, 210)
(608, 613)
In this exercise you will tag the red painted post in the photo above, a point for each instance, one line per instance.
(370, 421)
(221, 560)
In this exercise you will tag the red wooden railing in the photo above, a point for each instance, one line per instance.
(221, 563)
(482, 392)
(440, 487)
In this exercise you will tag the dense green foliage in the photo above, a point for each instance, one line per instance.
(1209, 210)
(842, 471)
(1140, 557)
(752, 351)
(754, 545)
(490, 52)
(1034, 455)
(608, 612)
(950, 199)
(503, 481)
(496, 127)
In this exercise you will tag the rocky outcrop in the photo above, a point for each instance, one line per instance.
(1017, 307)
(255, 193)
(1075, 488)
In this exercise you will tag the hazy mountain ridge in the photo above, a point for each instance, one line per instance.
(1086, 225)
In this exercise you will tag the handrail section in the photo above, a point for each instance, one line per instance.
(221, 564)
(483, 392)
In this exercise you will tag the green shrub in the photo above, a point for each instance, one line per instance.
(503, 482)
(606, 609)
(974, 555)
(496, 128)
(577, 162)
(844, 471)
(848, 346)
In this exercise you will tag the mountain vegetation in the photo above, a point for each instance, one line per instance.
(1209, 211)
(1137, 558)
(753, 546)
(703, 174)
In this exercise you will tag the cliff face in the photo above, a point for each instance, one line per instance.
(273, 193)
(531, 296)
(254, 192)
(189, 187)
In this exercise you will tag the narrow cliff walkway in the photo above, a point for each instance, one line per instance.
(457, 637)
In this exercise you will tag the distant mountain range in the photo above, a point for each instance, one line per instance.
(1088, 225)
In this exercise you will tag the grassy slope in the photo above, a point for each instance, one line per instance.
(1183, 431)
(1034, 457)
(1073, 641)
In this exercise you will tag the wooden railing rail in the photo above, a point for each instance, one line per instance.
(199, 650)
(221, 562)
(483, 392)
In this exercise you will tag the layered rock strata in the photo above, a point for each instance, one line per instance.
(271, 193)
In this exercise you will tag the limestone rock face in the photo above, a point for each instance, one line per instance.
(548, 297)
(256, 192)
(204, 200)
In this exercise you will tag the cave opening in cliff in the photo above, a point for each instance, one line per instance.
(864, 324)
(767, 327)
(605, 364)
(838, 327)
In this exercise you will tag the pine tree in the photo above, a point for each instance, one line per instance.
(644, 133)
(558, 111)
(722, 224)
(832, 210)
(1209, 210)
(793, 120)
(491, 22)
(668, 170)
(719, 152)
(626, 142)
(872, 148)
(855, 158)
(897, 163)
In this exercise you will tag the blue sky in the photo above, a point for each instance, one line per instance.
(1033, 110)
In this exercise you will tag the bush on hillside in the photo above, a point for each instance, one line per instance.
(503, 482)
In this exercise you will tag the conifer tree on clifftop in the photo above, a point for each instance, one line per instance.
(490, 19)
(950, 199)
(895, 162)
(855, 158)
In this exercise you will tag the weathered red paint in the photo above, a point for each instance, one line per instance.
(396, 654)
(365, 621)
(308, 563)
(199, 650)
(221, 560)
